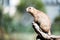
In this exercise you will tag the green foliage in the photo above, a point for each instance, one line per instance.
(12, 26)
(23, 29)
(0, 16)
(56, 26)
(7, 22)
(57, 19)
(34, 3)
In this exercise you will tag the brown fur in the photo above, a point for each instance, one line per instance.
(43, 22)
(41, 18)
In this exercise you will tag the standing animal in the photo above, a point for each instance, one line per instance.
(44, 24)
(41, 19)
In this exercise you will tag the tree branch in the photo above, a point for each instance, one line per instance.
(46, 36)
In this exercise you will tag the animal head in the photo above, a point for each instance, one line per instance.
(30, 9)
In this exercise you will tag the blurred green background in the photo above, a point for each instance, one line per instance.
(16, 23)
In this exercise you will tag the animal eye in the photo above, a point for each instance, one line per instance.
(29, 8)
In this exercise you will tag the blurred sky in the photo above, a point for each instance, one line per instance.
(10, 6)
(52, 7)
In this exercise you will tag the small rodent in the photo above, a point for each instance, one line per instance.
(41, 18)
